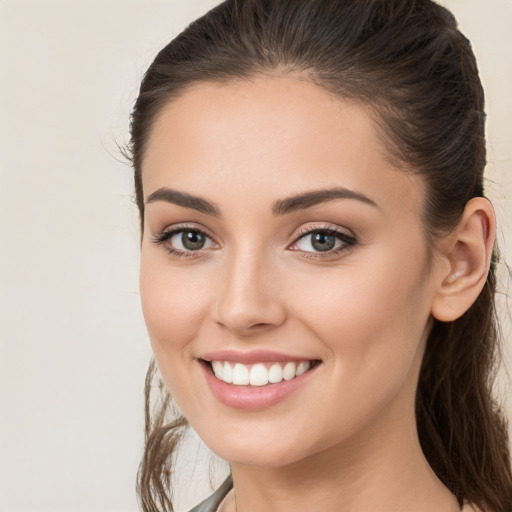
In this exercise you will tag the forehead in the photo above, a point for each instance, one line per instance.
(269, 136)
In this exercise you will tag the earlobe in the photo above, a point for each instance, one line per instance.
(467, 252)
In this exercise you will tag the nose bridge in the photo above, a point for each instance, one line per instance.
(248, 299)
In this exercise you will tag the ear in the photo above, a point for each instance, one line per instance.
(466, 258)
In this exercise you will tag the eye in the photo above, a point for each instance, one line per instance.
(189, 240)
(324, 240)
(184, 241)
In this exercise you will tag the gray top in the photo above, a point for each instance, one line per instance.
(210, 504)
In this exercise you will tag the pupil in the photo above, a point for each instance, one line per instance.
(323, 242)
(192, 240)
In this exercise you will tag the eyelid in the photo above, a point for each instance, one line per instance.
(311, 228)
(193, 226)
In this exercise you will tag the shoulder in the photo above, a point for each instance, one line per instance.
(212, 503)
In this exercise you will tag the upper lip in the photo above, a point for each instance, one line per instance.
(251, 356)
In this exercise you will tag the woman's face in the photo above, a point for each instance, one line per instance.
(277, 232)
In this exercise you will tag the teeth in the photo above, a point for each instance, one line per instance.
(218, 369)
(258, 374)
(289, 371)
(240, 374)
(303, 368)
(275, 373)
(227, 373)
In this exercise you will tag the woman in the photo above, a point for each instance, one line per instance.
(317, 259)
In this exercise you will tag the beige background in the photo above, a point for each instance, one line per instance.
(73, 344)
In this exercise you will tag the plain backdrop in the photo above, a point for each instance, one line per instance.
(74, 349)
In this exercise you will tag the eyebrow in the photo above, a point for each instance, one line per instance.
(183, 199)
(309, 199)
(280, 207)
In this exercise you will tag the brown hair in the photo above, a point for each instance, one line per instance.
(408, 62)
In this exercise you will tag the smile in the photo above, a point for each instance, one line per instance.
(259, 374)
(259, 381)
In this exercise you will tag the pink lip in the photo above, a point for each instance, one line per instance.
(253, 356)
(253, 397)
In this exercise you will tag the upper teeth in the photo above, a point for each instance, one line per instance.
(258, 374)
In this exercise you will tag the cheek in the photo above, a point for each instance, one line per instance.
(354, 301)
(173, 302)
(370, 318)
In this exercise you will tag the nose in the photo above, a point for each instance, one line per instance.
(249, 300)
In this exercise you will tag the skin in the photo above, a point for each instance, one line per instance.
(348, 437)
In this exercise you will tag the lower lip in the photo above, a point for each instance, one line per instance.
(254, 397)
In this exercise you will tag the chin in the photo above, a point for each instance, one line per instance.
(260, 449)
(264, 457)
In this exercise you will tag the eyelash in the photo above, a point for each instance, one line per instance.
(165, 235)
(348, 241)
